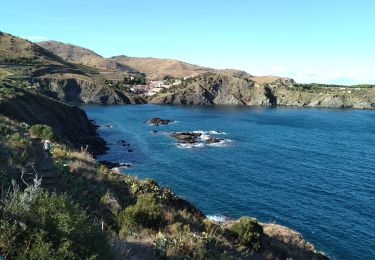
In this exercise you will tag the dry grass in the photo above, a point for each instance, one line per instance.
(286, 235)
(4, 73)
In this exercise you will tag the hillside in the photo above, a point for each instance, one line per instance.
(30, 66)
(157, 69)
(68, 122)
(84, 56)
(153, 68)
(20, 58)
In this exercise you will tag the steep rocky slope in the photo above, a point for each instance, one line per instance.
(211, 88)
(68, 122)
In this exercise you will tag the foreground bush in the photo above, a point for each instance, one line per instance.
(42, 131)
(37, 225)
(248, 232)
(145, 213)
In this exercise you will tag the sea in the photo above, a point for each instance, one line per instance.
(310, 169)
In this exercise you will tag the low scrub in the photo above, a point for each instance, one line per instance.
(38, 225)
(145, 213)
(248, 232)
(42, 131)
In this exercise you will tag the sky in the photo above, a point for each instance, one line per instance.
(323, 41)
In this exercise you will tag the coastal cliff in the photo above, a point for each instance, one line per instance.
(215, 88)
(69, 122)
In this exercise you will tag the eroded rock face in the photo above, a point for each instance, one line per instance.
(78, 91)
(158, 121)
(211, 89)
(216, 89)
(69, 122)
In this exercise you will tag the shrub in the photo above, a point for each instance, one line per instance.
(43, 132)
(248, 232)
(145, 213)
(37, 225)
(179, 229)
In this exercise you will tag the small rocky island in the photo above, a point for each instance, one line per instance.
(194, 138)
(156, 121)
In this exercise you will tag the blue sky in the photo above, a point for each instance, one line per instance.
(328, 41)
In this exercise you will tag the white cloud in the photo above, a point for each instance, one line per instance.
(35, 38)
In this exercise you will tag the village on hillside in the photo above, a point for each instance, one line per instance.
(153, 87)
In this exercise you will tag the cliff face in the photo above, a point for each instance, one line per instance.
(335, 97)
(209, 89)
(78, 90)
(69, 122)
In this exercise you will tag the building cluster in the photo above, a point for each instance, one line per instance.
(153, 87)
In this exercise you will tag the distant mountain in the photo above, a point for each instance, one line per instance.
(84, 56)
(156, 68)
(22, 58)
(153, 68)
(28, 65)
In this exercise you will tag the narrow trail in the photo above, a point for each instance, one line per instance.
(43, 166)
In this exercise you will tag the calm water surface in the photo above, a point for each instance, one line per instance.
(309, 169)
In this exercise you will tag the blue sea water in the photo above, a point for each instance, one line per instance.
(310, 169)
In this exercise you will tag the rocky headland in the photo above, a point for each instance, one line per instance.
(218, 89)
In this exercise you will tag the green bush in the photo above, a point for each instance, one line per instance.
(43, 132)
(36, 225)
(248, 232)
(145, 213)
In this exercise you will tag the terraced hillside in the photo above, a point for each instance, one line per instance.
(30, 66)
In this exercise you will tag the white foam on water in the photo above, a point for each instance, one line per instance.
(214, 132)
(222, 143)
(218, 218)
(189, 146)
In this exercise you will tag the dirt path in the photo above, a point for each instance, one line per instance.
(43, 166)
(134, 250)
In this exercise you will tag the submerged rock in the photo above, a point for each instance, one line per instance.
(214, 140)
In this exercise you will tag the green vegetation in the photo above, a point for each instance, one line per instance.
(145, 213)
(169, 80)
(19, 60)
(42, 131)
(38, 225)
(317, 86)
(135, 80)
(248, 232)
(14, 147)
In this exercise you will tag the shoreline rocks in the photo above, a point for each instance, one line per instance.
(112, 165)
